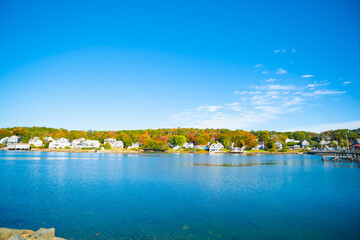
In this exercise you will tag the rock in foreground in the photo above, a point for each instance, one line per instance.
(22, 234)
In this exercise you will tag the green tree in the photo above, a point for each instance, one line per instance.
(107, 146)
(178, 140)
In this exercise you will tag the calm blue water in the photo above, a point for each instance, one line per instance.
(163, 196)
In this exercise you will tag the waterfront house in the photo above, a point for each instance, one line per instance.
(204, 147)
(215, 147)
(36, 142)
(237, 149)
(76, 142)
(324, 143)
(118, 144)
(260, 146)
(4, 140)
(110, 140)
(20, 146)
(188, 145)
(177, 147)
(295, 147)
(290, 140)
(61, 143)
(12, 141)
(134, 145)
(305, 144)
(278, 145)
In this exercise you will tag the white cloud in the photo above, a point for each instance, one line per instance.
(264, 72)
(276, 87)
(236, 92)
(345, 83)
(293, 50)
(284, 50)
(208, 108)
(277, 51)
(323, 92)
(259, 65)
(281, 71)
(272, 80)
(307, 76)
(329, 126)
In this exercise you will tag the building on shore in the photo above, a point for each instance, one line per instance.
(4, 140)
(188, 145)
(36, 142)
(19, 146)
(134, 145)
(61, 143)
(177, 147)
(305, 144)
(118, 144)
(278, 145)
(215, 147)
(290, 140)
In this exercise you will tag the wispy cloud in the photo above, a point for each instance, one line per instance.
(208, 108)
(259, 65)
(277, 51)
(307, 76)
(271, 80)
(325, 127)
(323, 92)
(275, 87)
(348, 82)
(280, 71)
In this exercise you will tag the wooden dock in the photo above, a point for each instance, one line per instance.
(338, 155)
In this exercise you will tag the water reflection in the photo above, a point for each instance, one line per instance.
(180, 196)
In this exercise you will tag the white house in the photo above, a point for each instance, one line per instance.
(188, 145)
(260, 146)
(36, 142)
(61, 143)
(110, 140)
(177, 147)
(215, 147)
(134, 145)
(290, 140)
(278, 145)
(20, 146)
(295, 147)
(305, 144)
(89, 144)
(76, 142)
(4, 140)
(14, 139)
(324, 143)
(118, 144)
(237, 149)
(204, 147)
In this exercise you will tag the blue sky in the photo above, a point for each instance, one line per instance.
(109, 65)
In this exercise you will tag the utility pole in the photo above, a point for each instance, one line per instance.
(347, 142)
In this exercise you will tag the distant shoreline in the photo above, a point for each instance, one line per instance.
(150, 151)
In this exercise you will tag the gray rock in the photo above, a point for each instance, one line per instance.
(6, 233)
(17, 237)
(44, 233)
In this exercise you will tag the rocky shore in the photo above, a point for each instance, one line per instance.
(22, 234)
